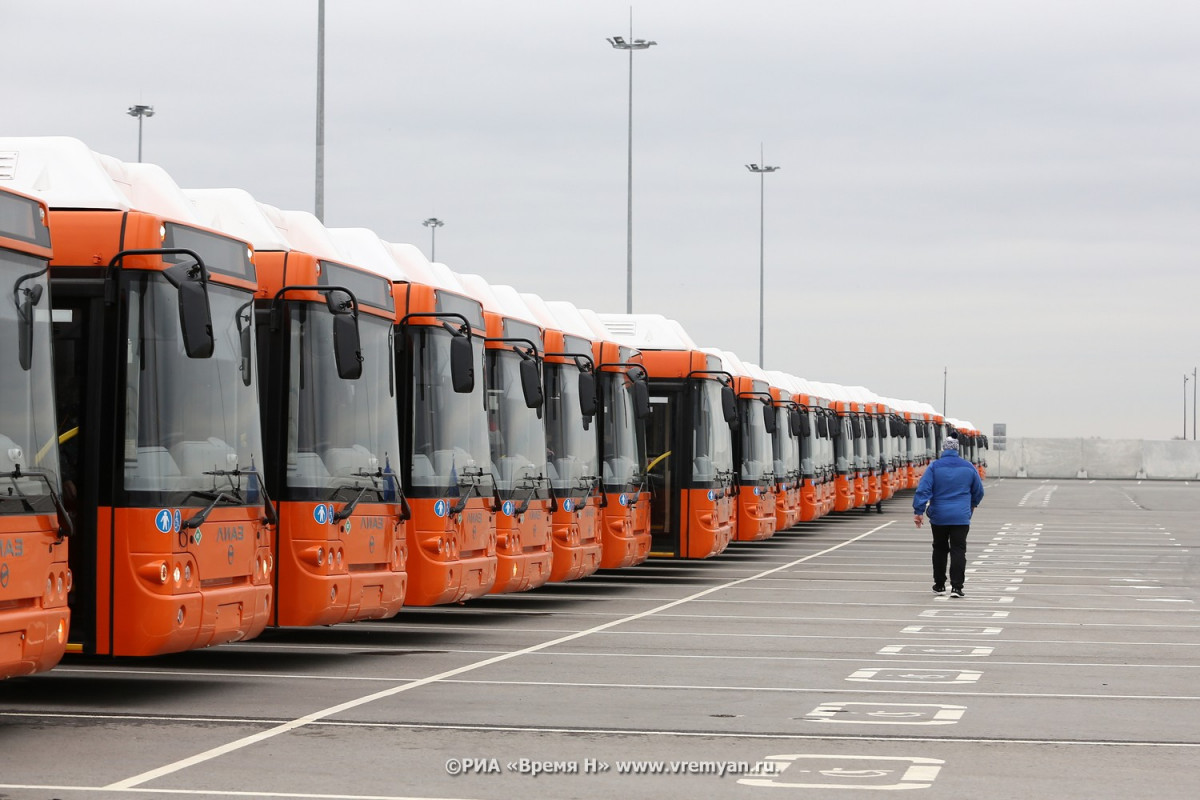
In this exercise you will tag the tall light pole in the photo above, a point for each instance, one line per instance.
(433, 223)
(762, 170)
(319, 203)
(619, 43)
(141, 112)
(1185, 380)
(1194, 383)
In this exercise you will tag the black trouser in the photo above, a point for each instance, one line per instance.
(950, 540)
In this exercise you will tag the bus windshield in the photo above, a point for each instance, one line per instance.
(570, 439)
(757, 452)
(787, 456)
(449, 437)
(621, 452)
(27, 423)
(341, 433)
(516, 432)
(191, 424)
(712, 442)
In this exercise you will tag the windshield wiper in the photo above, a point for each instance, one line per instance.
(197, 519)
(64, 519)
(470, 480)
(236, 489)
(348, 509)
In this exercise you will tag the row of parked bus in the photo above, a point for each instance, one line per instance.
(218, 416)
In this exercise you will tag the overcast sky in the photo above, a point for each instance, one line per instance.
(1006, 189)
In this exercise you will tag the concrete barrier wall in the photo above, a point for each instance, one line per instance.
(1096, 458)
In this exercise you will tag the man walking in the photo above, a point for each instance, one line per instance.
(948, 492)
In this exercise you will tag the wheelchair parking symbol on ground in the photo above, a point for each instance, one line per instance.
(810, 771)
(886, 713)
(874, 675)
(934, 650)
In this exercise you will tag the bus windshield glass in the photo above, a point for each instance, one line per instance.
(191, 424)
(787, 456)
(449, 436)
(341, 433)
(27, 423)
(756, 442)
(621, 454)
(712, 442)
(516, 432)
(570, 439)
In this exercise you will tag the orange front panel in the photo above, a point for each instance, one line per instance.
(34, 583)
(709, 523)
(331, 573)
(844, 499)
(217, 580)
(756, 513)
(523, 551)
(787, 507)
(860, 491)
(577, 542)
(874, 489)
(623, 545)
(451, 557)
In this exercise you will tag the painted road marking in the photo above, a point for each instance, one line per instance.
(952, 630)
(848, 772)
(894, 675)
(886, 714)
(316, 716)
(976, 597)
(934, 650)
(963, 613)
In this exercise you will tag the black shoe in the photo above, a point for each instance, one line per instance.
(939, 588)
(957, 593)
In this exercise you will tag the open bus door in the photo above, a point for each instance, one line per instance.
(149, 308)
(689, 445)
(35, 578)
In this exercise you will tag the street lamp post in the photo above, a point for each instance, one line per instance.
(1194, 384)
(1185, 380)
(140, 112)
(761, 170)
(433, 223)
(619, 43)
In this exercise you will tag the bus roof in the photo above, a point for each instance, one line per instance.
(61, 171)
(647, 331)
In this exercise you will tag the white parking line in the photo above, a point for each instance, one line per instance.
(316, 716)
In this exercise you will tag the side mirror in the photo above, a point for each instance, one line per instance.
(29, 299)
(531, 382)
(462, 363)
(195, 314)
(823, 426)
(798, 420)
(869, 425)
(641, 398)
(729, 405)
(856, 427)
(770, 418)
(587, 394)
(347, 348)
(242, 320)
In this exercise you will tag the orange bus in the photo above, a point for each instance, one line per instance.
(34, 574)
(445, 467)
(753, 451)
(512, 370)
(624, 404)
(572, 441)
(689, 441)
(786, 446)
(154, 372)
(331, 439)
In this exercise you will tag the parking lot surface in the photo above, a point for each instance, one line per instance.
(813, 664)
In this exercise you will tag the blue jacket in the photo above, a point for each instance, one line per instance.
(949, 490)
